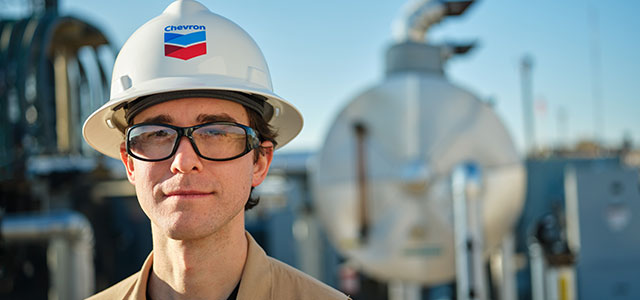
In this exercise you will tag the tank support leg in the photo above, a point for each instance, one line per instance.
(467, 214)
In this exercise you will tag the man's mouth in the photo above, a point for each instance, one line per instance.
(187, 194)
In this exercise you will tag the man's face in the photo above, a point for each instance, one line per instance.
(186, 196)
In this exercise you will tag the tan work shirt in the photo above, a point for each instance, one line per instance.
(263, 278)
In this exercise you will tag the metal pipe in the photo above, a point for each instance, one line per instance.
(460, 233)
(404, 290)
(361, 134)
(422, 14)
(508, 286)
(70, 250)
(537, 265)
(62, 99)
(468, 219)
(526, 66)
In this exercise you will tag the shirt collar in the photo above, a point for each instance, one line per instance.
(255, 281)
(140, 288)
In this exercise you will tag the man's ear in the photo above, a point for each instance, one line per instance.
(261, 166)
(128, 163)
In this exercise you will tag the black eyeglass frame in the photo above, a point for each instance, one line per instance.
(252, 140)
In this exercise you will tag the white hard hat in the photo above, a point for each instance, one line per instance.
(187, 48)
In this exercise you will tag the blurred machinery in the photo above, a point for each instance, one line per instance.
(602, 230)
(54, 72)
(419, 185)
(576, 237)
(396, 157)
(578, 230)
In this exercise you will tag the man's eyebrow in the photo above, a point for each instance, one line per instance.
(166, 119)
(202, 118)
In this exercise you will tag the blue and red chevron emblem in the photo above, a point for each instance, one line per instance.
(185, 46)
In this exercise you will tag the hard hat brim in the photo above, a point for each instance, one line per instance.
(102, 129)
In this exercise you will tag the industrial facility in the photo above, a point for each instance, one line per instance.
(418, 190)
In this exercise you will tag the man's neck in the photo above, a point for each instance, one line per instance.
(208, 268)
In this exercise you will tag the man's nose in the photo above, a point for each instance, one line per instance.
(186, 159)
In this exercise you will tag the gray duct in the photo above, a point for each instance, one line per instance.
(422, 14)
(70, 252)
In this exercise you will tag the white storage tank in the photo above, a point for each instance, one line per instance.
(382, 183)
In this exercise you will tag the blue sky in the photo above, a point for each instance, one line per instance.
(323, 53)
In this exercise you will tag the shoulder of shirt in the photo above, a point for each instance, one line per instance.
(289, 281)
(120, 290)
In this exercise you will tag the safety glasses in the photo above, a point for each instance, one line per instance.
(218, 141)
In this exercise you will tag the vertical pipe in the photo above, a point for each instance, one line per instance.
(62, 102)
(403, 290)
(596, 70)
(551, 283)
(476, 232)
(361, 133)
(527, 104)
(460, 234)
(468, 220)
(537, 265)
(59, 262)
(508, 288)
(567, 283)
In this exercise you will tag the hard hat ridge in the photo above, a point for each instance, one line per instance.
(186, 7)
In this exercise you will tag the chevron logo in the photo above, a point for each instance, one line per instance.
(185, 46)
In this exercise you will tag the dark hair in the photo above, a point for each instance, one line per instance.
(265, 133)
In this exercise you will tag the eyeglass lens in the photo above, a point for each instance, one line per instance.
(213, 141)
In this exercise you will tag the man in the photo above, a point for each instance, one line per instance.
(194, 119)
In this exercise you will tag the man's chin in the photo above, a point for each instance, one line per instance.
(185, 228)
(187, 234)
